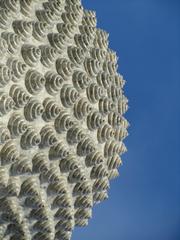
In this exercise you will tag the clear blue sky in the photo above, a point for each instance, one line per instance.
(144, 202)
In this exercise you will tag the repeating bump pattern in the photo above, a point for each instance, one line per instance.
(61, 118)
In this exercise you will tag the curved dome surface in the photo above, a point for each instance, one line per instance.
(61, 118)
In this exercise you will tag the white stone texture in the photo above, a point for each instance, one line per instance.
(61, 118)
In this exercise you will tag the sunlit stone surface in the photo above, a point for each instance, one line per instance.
(61, 118)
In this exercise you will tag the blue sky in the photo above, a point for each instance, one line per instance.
(144, 202)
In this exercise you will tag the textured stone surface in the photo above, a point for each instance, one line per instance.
(61, 118)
